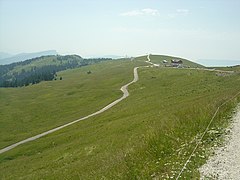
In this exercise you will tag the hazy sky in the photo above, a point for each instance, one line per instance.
(194, 29)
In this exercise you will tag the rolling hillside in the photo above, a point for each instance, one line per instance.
(148, 135)
(39, 69)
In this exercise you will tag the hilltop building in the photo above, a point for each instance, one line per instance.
(177, 63)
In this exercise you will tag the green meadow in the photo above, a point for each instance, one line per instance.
(30, 110)
(148, 135)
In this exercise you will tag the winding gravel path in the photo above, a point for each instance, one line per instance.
(125, 95)
(225, 164)
(149, 61)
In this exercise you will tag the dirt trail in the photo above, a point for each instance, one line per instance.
(149, 61)
(225, 164)
(125, 95)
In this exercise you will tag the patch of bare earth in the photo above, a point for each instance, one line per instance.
(225, 164)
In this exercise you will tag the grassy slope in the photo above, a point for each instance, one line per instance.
(230, 68)
(30, 110)
(40, 63)
(148, 134)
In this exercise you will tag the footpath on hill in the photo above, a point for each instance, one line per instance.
(225, 164)
(124, 89)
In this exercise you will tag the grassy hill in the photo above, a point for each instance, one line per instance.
(149, 134)
(46, 61)
(159, 60)
(50, 104)
(39, 69)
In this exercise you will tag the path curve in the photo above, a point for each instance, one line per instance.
(124, 89)
(149, 61)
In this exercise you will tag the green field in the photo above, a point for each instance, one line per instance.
(149, 134)
(30, 110)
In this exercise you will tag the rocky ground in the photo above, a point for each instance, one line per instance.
(225, 164)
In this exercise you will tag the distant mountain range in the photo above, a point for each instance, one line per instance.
(4, 55)
(6, 58)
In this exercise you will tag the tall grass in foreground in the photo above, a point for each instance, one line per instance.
(164, 151)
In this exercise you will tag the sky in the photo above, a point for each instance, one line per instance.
(199, 29)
